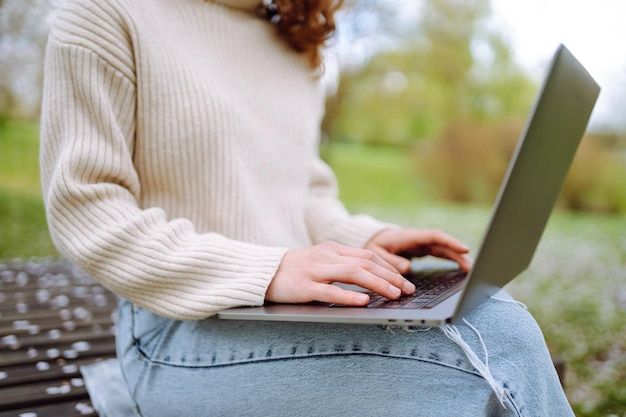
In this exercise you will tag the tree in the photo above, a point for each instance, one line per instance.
(445, 66)
(24, 26)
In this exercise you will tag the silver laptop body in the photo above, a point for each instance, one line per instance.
(527, 196)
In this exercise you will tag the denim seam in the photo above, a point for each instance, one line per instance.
(512, 402)
(306, 356)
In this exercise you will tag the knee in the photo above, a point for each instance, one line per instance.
(508, 329)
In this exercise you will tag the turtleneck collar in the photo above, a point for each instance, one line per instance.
(241, 4)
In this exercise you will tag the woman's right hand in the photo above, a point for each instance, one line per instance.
(306, 275)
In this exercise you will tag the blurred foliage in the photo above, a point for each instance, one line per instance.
(24, 26)
(597, 179)
(449, 67)
(468, 161)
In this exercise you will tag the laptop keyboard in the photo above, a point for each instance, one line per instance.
(432, 287)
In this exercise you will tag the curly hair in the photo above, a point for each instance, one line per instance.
(305, 24)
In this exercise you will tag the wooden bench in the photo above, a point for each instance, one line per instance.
(53, 319)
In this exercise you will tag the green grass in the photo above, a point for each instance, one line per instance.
(19, 164)
(23, 229)
(379, 176)
(577, 290)
(24, 232)
(579, 255)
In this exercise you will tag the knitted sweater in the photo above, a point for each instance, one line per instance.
(179, 152)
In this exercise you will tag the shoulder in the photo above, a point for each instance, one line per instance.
(77, 19)
(100, 27)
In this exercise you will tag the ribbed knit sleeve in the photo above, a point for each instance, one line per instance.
(91, 187)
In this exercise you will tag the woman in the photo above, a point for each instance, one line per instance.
(180, 169)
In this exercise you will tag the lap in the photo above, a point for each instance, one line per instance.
(225, 364)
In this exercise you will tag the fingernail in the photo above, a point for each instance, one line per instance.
(395, 291)
(409, 288)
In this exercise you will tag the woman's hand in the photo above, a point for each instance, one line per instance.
(307, 274)
(398, 246)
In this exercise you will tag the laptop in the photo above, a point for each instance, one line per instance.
(530, 188)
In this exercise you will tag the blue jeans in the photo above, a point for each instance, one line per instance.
(231, 368)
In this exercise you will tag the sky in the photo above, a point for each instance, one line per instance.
(593, 30)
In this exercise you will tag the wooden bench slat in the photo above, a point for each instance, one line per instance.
(45, 371)
(63, 340)
(10, 311)
(44, 326)
(75, 408)
(51, 315)
(47, 392)
(104, 347)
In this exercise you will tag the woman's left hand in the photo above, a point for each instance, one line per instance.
(398, 246)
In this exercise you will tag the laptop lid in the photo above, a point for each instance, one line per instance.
(531, 186)
(535, 176)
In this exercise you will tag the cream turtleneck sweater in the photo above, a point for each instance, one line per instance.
(179, 152)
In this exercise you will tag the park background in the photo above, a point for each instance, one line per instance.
(426, 99)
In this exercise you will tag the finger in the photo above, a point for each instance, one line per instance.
(328, 293)
(430, 248)
(465, 263)
(400, 263)
(374, 278)
(392, 281)
(437, 237)
(368, 255)
(364, 268)
(375, 258)
(365, 275)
